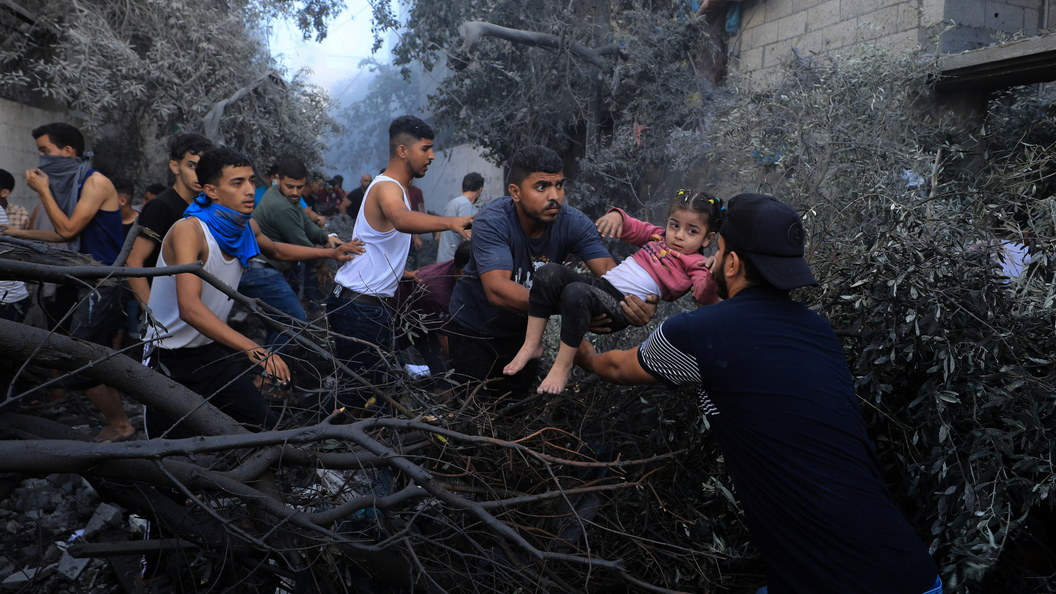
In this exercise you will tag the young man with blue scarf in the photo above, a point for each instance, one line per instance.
(194, 344)
(83, 212)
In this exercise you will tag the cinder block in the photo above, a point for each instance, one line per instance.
(1003, 17)
(776, 53)
(908, 17)
(881, 22)
(822, 15)
(1031, 21)
(852, 9)
(969, 14)
(792, 26)
(841, 34)
(776, 9)
(750, 60)
(765, 34)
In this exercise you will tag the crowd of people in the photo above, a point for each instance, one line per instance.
(770, 373)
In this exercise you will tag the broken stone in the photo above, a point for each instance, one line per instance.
(71, 567)
(20, 579)
(104, 517)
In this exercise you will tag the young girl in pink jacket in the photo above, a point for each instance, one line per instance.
(670, 264)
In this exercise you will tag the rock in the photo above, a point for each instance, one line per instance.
(52, 553)
(20, 579)
(13, 527)
(71, 567)
(105, 516)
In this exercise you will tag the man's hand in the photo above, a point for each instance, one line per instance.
(356, 246)
(462, 225)
(333, 241)
(610, 225)
(37, 180)
(416, 241)
(344, 252)
(321, 221)
(639, 312)
(273, 365)
(586, 355)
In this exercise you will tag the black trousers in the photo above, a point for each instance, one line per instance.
(475, 356)
(217, 374)
(577, 297)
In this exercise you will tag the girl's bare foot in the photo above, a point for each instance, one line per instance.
(523, 356)
(557, 379)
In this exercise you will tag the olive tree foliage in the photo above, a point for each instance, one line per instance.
(362, 146)
(137, 72)
(909, 212)
(587, 78)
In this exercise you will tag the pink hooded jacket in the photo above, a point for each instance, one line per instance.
(676, 273)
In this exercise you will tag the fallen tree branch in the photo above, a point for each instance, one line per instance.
(473, 31)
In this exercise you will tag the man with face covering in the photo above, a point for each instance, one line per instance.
(83, 210)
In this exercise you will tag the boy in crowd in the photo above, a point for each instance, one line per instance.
(14, 298)
(161, 213)
(83, 212)
(358, 307)
(195, 346)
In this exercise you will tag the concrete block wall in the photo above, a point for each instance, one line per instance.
(771, 29)
(17, 149)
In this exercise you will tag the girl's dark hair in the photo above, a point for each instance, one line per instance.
(701, 203)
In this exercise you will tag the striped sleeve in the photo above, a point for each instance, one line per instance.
(666, 362)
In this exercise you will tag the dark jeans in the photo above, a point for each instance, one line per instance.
(217, 374)
(14, 312)
(98, 316)
(477, 357)
(270, 286)
(577, 297)
(370, 323)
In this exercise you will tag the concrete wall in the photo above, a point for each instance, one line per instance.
(443, 181)
(17, 149)
(771, 29)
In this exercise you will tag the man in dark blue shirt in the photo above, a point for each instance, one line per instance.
(775, 387)
(512, 237)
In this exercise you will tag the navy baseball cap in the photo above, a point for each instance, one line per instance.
(772, 235)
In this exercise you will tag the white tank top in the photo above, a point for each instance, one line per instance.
(378, 270)
(166, 310)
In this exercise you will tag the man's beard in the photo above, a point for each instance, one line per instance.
(721, 288)
(544, 222)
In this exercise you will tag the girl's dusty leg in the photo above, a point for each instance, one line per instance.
(555, 381)
(532, 347)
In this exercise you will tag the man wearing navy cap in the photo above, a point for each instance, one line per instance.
(774, 384)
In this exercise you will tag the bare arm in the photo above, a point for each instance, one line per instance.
(385, 209)
(34, 234)
(97, 193)
(618, 367)
(297, 253)
(142, 248)
(503, 292)
(185, 244)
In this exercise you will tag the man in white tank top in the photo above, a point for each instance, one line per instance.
(385, 223)
(190, 348)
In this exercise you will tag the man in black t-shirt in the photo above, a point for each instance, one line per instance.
(350, 205)
(161, 213)
(774, 384)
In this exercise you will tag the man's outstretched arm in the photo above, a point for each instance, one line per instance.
(618, 367)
